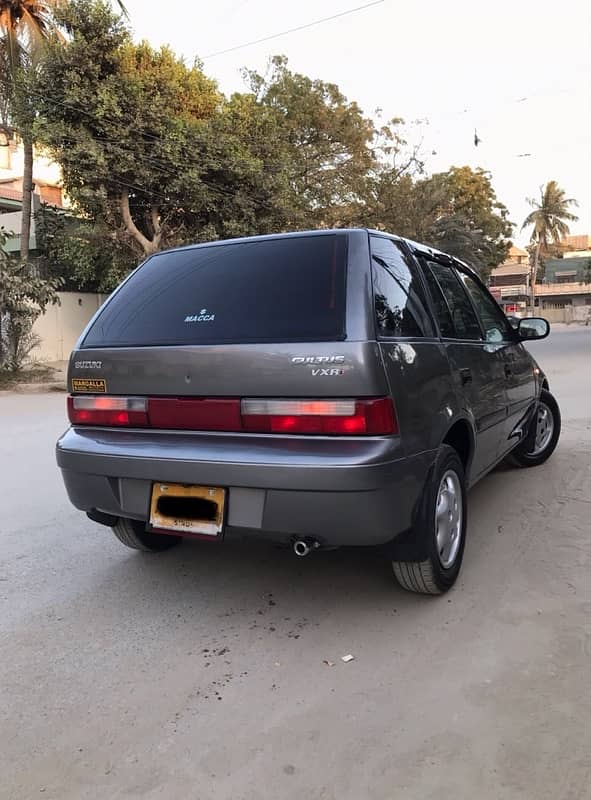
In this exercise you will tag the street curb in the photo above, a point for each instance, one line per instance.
(35, 388)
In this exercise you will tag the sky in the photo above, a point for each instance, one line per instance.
(519, 73)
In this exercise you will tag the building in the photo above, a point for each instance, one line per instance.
(578, 243)
(564, 293)
(572, 268)
(509, 283)
(47, 188)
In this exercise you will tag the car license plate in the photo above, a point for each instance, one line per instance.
(196, 510)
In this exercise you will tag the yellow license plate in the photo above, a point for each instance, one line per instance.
(188, 509)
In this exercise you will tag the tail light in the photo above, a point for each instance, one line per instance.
(109, 411)
(324, 417)
(365, 417)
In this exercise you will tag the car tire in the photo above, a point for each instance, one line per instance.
(548, 423)
(441, 524)
(132, 533)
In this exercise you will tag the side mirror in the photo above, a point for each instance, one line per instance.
(533, 328)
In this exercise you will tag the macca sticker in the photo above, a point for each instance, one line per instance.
(89, 385)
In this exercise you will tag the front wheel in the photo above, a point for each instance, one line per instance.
(442, 528)
(541, 443)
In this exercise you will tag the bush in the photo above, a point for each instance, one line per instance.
(18, 342)
(23, 298)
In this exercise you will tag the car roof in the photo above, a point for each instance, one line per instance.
(414, 246)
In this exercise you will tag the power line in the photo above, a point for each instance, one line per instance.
(141, 134)
(293, 30)
(143, 138)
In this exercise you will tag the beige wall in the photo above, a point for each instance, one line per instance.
(574, 313)
(61, 325)
(44, 168)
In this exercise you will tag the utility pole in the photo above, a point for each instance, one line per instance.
(533, 277)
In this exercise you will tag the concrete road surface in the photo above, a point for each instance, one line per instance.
(202, 673)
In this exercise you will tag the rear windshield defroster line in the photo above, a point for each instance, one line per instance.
(288, 289)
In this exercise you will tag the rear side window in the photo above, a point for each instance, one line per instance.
(442, 312)
(273, 290)
(456, 316)
(493, 320)
(400, 308)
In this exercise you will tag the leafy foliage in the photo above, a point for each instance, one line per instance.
(456, 211)
(139, 136)
(86, 255)
(471, 224)
(153, 156)
(18, 342)
(551, 215)
(25, 24)
(549, 220)
(23, 297)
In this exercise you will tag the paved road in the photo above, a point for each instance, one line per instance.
(199, 674)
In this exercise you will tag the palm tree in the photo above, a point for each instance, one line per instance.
(25, 26)
(549, 218)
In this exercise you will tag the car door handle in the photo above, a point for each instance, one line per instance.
(466, 376)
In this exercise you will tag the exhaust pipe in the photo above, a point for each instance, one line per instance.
(303, 547)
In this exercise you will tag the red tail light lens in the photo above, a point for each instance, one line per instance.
(194, 413)
(367, 417)
(374, 417)
(108, 411)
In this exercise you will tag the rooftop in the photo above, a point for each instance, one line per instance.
(515, 252)
(510, 268)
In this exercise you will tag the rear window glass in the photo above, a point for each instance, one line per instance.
(271, 290)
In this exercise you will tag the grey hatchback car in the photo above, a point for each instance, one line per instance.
(319, 389)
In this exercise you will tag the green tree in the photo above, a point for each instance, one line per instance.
(142, 138)
(119, 118)
(22, 299)
(25, 26)
(86, 255)
(321, 145)
(455, 211)
(470, 222)
(549, 220)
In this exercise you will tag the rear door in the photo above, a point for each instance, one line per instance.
(517, 363)
(279, 317)
(414, 358)
(477, 368)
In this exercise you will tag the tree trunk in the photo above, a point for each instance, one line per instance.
(27, 196)
(533, 278)
(149, 246)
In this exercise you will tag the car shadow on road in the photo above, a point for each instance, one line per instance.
(252, 577)
(247, 570)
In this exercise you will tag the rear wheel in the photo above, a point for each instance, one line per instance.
(442, 528)
(132, 533)
(541, 443)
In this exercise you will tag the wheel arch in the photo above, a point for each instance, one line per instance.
(460, 436)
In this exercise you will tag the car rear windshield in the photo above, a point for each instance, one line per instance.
(266, 290)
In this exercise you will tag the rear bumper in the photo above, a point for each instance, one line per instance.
(357, 491)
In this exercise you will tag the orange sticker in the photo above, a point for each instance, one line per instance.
(89, 385)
